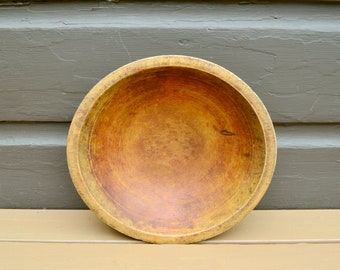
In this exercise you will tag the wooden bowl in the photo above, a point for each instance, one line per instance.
(171, 149)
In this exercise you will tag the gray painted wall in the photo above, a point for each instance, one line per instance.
(34, 172)
(52, 54)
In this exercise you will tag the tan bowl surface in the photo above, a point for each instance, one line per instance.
(171, 149)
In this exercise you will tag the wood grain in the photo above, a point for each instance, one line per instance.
(50, 60)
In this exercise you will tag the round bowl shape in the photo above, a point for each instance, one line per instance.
(171, 149)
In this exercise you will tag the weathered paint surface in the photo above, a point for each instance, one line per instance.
(34, 174)
(52, 55)
(33, 167)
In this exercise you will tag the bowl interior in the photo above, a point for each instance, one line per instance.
(171, 151)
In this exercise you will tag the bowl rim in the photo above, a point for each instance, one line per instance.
(171, 61)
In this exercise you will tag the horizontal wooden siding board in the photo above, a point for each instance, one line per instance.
(34, 173)
(289, 54)
(82, 226)
(112, 256)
